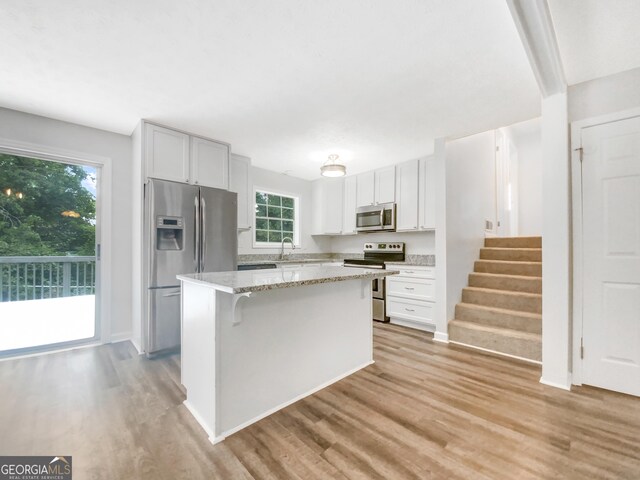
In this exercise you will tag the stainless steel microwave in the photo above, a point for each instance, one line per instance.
(376, 218)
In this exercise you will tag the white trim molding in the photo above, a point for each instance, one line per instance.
(120, 337)
(535, 27)
(563, 386)
(441, 337)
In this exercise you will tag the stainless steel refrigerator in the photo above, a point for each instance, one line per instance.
(188, 229)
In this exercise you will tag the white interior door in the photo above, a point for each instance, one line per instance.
(611, 242)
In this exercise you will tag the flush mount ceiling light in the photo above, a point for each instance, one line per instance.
(333, 169)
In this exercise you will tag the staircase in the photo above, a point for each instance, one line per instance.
(501, 309)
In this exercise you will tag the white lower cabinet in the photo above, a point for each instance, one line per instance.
(410, 296)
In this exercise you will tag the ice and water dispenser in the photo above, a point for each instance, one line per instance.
(169, 233)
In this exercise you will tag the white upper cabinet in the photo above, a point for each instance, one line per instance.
(180, 157)
(240, 182)
(407, 196)
(376, 187)
(385, 185)
(327, 205)
(365, 189)
(349, 201)
(427, 191)
(209, 163)
(166, 153)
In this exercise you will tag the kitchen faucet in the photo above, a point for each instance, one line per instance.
(293, 247)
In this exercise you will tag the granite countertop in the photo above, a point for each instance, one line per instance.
(291, 261)
(261, 280)
(416, 261)
(410, 263)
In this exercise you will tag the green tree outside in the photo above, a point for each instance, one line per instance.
(45, 208)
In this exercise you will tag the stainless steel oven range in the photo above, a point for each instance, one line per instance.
(375, 256)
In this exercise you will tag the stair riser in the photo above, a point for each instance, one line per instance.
(524, 348)
(514, 242)
(511, 254)
(521, 303)
(522, 284)
(499, 319)
(515, 268)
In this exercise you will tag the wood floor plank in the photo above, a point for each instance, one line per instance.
(424, 410)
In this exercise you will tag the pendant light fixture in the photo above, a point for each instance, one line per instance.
(333, 169)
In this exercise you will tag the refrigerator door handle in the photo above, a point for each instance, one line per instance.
(203, 219)
(173, 294)
(196, 238)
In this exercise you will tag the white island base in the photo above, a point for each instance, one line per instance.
(247, 355)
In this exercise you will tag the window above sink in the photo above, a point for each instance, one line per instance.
(276, 218)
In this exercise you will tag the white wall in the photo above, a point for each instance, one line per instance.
(556, 243)
(280, 183)
(470, 200)
(22, 127)
(441, 320)
(526, 136)
(416, 243)
(610, 94)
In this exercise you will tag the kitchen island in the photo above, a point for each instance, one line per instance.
(256, 341)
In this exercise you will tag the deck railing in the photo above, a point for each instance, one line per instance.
(34, 278)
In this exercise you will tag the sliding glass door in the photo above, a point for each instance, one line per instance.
(48, 263)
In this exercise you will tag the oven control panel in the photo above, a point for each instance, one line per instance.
(394, 247)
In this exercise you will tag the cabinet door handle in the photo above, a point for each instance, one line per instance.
(409, 271)
(409, 288)
(409, 309)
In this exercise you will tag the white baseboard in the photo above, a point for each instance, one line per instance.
(515, 357)
(120, 337)
(137, 345)
(199, 419)
(562, 386)
(441, 337)
(217, 439)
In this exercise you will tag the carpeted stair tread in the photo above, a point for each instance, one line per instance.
(521, 301)
(499, 317)
(525, 269)
(513, 242)
(511, 254)
(503, 340)
(503, 281)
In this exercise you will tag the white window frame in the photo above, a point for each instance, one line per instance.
(296, 218)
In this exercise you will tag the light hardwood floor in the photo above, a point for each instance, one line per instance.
(423, 410)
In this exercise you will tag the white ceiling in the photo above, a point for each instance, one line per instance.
(285, 82)
(596, 37)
